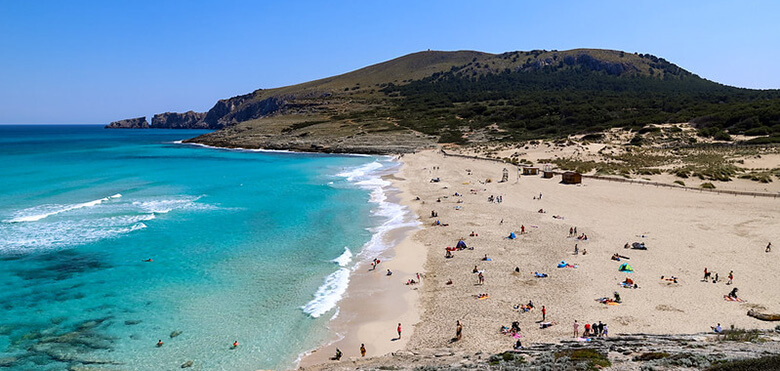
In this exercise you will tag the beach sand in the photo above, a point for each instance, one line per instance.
(685, 232)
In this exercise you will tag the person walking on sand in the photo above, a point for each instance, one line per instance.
(522, 229)
(544, 313)
(481, 278)
(362, 350)
(458, 330)
(576, 249)
(731, 277)
(768, 247)
(399, 330)
(576, 329)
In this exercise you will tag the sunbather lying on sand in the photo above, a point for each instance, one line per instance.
(544, 325)
(670, 278)
(540, 275)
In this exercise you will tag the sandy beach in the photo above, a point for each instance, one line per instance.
(684, 232)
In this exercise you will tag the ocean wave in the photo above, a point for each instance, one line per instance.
(329, 294)
(165, 206)
(26, 237)
(37, 213)
(30, 231)
(393, 215)
(344, 258)
(361, 171)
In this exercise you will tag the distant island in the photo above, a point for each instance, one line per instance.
(462, 97)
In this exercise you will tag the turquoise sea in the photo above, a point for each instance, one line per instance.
(246, 246)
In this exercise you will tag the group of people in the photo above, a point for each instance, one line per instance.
(591, 330)
(497, 199)
(525, 307)
(716, 278)
(339, 354)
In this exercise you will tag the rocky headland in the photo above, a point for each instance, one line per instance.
(175, 120)
(468, 97)
(136, 123)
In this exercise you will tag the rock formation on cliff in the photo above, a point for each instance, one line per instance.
(175, 120)
(136, 123)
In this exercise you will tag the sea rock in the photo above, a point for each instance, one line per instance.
(132, 322)
(175, 120)
(187, 364)
(136, 123)
(175, 334)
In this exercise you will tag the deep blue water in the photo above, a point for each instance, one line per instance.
(241, 244)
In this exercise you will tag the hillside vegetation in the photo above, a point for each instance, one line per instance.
(469, 96)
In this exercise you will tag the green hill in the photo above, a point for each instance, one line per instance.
(463, 96)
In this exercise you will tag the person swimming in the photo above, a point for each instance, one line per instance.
(148, 260)
(159, 343)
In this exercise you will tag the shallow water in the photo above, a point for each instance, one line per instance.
(247, 246)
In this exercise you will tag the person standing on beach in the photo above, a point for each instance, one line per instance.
(458, 330)
(544, 313)
(362, 350)
(576, 329)
(731, 277)
(399, 330)
(768, 247)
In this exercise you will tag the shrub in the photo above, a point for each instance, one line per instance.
(651, 356)
(766, 363)
(680, 182)
(707, 186)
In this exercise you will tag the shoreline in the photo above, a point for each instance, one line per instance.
(375, 303)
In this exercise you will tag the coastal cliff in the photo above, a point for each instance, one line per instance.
(135, 123)
(175, 120)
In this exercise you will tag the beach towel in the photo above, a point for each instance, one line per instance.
(584, 339)
(729, 298)
(484, 297)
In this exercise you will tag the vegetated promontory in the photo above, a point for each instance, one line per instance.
(462, 97)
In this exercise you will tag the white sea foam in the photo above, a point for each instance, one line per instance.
(37, 213)
(329, 293)
(29, 230)
(165, 206)
(344, 258)
(361, 171)
(393, 216)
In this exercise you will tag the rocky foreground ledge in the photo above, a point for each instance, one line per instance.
(737, 350)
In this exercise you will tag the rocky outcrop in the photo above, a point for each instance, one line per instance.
(136, 123)
(241, 108)
(175, 120)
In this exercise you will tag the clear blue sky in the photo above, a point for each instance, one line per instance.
(98, 61)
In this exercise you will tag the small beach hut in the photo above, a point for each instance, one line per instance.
(530, 170)
(547, 172)
(571, 177)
